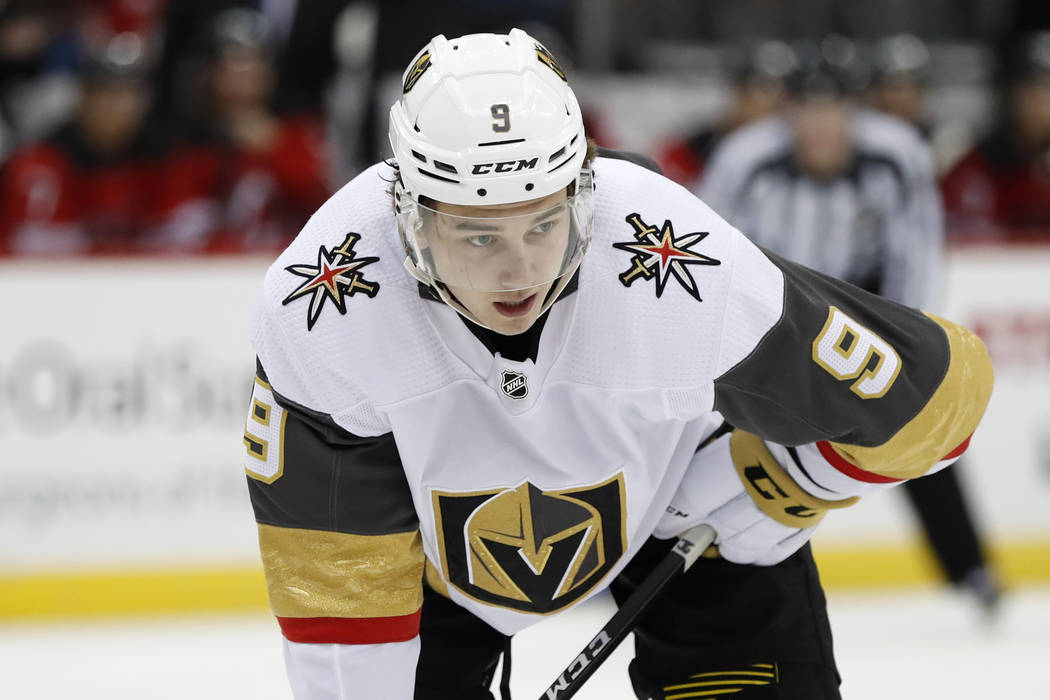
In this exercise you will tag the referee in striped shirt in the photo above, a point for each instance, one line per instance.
(851, 193)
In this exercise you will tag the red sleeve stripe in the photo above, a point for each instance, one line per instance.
(344, 630)
(960, 449)
(852, 471)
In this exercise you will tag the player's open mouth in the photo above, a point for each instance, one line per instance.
(513, 309)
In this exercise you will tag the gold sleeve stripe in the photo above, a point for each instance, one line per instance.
(316, 573)
(944, 423)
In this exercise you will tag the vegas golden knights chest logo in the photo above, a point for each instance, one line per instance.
(531, 550)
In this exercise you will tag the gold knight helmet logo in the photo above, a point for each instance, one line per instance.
(531, 550)
(419, 67)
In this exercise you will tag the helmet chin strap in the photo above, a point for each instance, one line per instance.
(552, 294)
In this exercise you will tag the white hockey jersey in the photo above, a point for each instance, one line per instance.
(388, 444)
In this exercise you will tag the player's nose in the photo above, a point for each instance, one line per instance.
(518, 266)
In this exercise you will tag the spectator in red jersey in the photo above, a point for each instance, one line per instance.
(757, 90)
(239, 177)
(88, 186)
(1001, 188)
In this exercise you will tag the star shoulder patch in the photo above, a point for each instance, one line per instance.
(658, 254)
(336, 276)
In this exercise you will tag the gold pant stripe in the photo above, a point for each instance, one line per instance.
(948, 418)
(315, 573)
(763, 674)
(710, 684)
(703, 693)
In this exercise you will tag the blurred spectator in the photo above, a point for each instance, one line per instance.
(640, 26)
(1021, 19)
(38, 60)
(1001, 188)
(851, 193)
(302, 45)
(756, 90)
(900, 81)
(238, 176)
(101, 19)
(88, 187)
(901, 64)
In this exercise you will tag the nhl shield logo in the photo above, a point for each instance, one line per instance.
(514, 384)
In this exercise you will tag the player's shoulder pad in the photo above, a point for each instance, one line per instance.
(337, 305)
(674, 272)
(631, 157)
(635, 207)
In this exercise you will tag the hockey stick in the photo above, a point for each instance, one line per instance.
(687, 550)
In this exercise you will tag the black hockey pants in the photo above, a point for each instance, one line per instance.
(758, 633)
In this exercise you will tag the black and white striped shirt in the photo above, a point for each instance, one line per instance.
(879, 225)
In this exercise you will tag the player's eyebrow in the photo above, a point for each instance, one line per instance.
(543, 215)
(476, 226)
(479, 225)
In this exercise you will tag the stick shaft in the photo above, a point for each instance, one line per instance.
(688, 548)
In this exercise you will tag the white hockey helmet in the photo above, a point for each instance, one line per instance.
(486, 120)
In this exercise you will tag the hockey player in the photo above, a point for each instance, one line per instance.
(462, 423)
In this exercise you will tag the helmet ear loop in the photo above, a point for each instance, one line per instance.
(407, 214)
(582, 213)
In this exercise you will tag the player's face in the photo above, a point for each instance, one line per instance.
(901, 97)
(501, 261)
(756, 99)
(241, 76)
(822, 135)
(111, 112)
(1031, 102)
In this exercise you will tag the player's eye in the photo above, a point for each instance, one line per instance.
(480, 241)
(545, 227)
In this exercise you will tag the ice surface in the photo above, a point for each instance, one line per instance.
(914, 644)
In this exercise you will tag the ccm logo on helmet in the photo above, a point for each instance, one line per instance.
(504, 166)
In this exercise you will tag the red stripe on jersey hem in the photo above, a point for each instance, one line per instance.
(958, 450)
(851, 470)
(344, 630)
